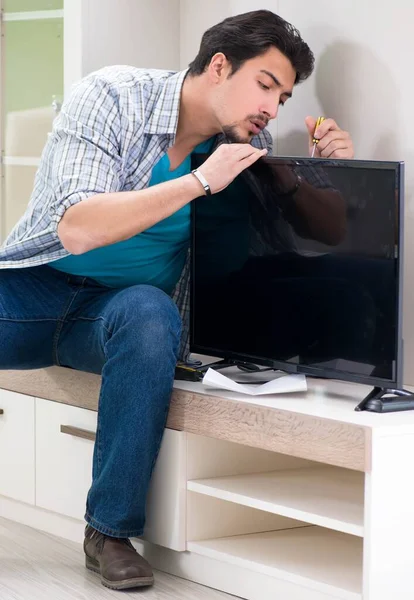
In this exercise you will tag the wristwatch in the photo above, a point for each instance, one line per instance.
(202, 180)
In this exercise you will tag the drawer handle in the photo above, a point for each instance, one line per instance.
(79, 433)
(1, 411)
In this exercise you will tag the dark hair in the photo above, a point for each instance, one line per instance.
(251, 34)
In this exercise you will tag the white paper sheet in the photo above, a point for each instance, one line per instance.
(281, 385)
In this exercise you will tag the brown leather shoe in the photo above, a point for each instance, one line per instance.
(116, 560)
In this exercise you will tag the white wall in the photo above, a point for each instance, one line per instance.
(363, 78)
(196, 18)
(98, 33)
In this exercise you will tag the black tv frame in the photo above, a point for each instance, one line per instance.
(403, 400)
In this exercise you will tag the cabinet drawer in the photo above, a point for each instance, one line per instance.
(64, 451)
(17, 444)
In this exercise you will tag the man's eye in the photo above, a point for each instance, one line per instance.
(263, 86)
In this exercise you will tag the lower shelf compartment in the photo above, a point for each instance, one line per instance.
(320, 559)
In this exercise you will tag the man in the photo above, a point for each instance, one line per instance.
(102, 248)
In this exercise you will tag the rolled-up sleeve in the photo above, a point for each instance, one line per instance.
(86, 147)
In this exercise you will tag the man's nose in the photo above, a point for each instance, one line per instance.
(271, 111)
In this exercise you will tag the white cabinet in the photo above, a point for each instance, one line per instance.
(64, 453)
(63, 457)
(298, 522)
(17, 443)
(255, 523)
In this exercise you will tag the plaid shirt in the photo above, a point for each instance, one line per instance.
(115, 126)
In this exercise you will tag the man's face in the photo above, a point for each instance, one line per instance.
(245, 102)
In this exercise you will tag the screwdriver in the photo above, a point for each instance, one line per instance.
(315, 140)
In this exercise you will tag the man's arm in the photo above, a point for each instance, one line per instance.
(90, 208)
(113, 217)
(89, 173)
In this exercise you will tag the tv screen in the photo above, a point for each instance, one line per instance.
(307, 282)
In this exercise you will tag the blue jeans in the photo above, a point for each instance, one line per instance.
(131, 336)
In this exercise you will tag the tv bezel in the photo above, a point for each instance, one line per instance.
(322, 372)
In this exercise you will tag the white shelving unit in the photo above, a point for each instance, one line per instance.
(299, 523)
(325, 496)
(22, 161)
(317, 559)
(300, 498)
(34, 32)
(33, 15)
(95, 33)
(310, 520)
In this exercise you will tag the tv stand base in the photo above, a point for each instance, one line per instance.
(377, 402)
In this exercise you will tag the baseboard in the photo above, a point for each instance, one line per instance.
(43, 520)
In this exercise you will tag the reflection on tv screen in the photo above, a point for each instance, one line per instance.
(307, 279)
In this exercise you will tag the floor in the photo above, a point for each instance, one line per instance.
(38, 566)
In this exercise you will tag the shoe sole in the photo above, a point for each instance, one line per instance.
(124, 584)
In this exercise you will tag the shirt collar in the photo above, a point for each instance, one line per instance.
(164, 117)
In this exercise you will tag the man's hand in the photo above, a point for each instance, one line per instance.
(333, 141)
(228, 161)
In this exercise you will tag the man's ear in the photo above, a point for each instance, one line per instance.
(218, 68)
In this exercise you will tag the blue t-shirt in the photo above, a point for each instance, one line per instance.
(154, 257)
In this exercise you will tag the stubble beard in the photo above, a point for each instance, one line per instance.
(233, 137)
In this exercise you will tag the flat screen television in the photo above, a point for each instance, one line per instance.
(309, 282)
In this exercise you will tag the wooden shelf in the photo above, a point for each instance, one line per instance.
(326, 496)
(318, 559)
